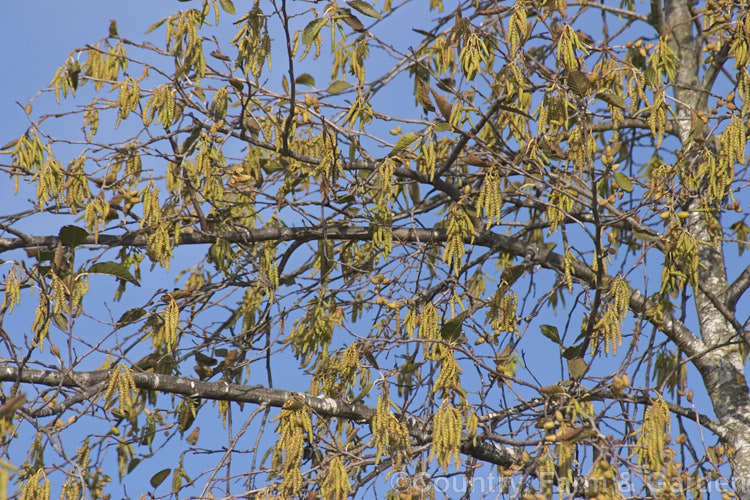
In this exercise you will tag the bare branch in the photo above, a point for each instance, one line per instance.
(223, 391)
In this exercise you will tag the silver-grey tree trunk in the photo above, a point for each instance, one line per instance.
(722, 365)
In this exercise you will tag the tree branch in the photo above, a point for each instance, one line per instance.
(614, 10)
(737, 288)
(482, 449)
(675, 329)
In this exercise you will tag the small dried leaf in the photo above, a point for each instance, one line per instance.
(9, 145)
(193, 437)
(443, 105)
(424, 99)
(218, 55)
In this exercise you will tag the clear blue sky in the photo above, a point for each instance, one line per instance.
(36, 36)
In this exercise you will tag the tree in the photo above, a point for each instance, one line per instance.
(527, 271)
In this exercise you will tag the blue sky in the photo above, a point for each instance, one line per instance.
(36, 37)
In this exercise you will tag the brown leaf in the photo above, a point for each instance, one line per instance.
(494, 10)
(218, 55)
(570, 434)
(9, 145)
(584, 38)
(472, 159)
(424, 98)
(193, 436)
(58, 260)
(443, 105)
(12, 404)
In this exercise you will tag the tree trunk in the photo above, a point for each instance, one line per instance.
(722, 367)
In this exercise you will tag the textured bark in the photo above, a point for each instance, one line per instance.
(722, 367)
(482, 448)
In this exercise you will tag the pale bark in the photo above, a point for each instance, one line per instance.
(722, 368)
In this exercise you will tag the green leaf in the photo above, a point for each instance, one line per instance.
(367, 353)
(577, 367)
(113, 269)
(452, 330)
(61, 321)
(156, 25)
(573, 351)
(205, 360)
(624, 182)
(613, 99)
(338, 86)
(159, 477)
(305, 79)
(645, 236)
(228, 6)
(310, 33)
(352, 20)
(441, 127)
(133, 464)
(579, 83)
(410, 367)
(131, 316)
(403, 142)
(237, 84)
(72, 236)
(551, 333)
(364, 8)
